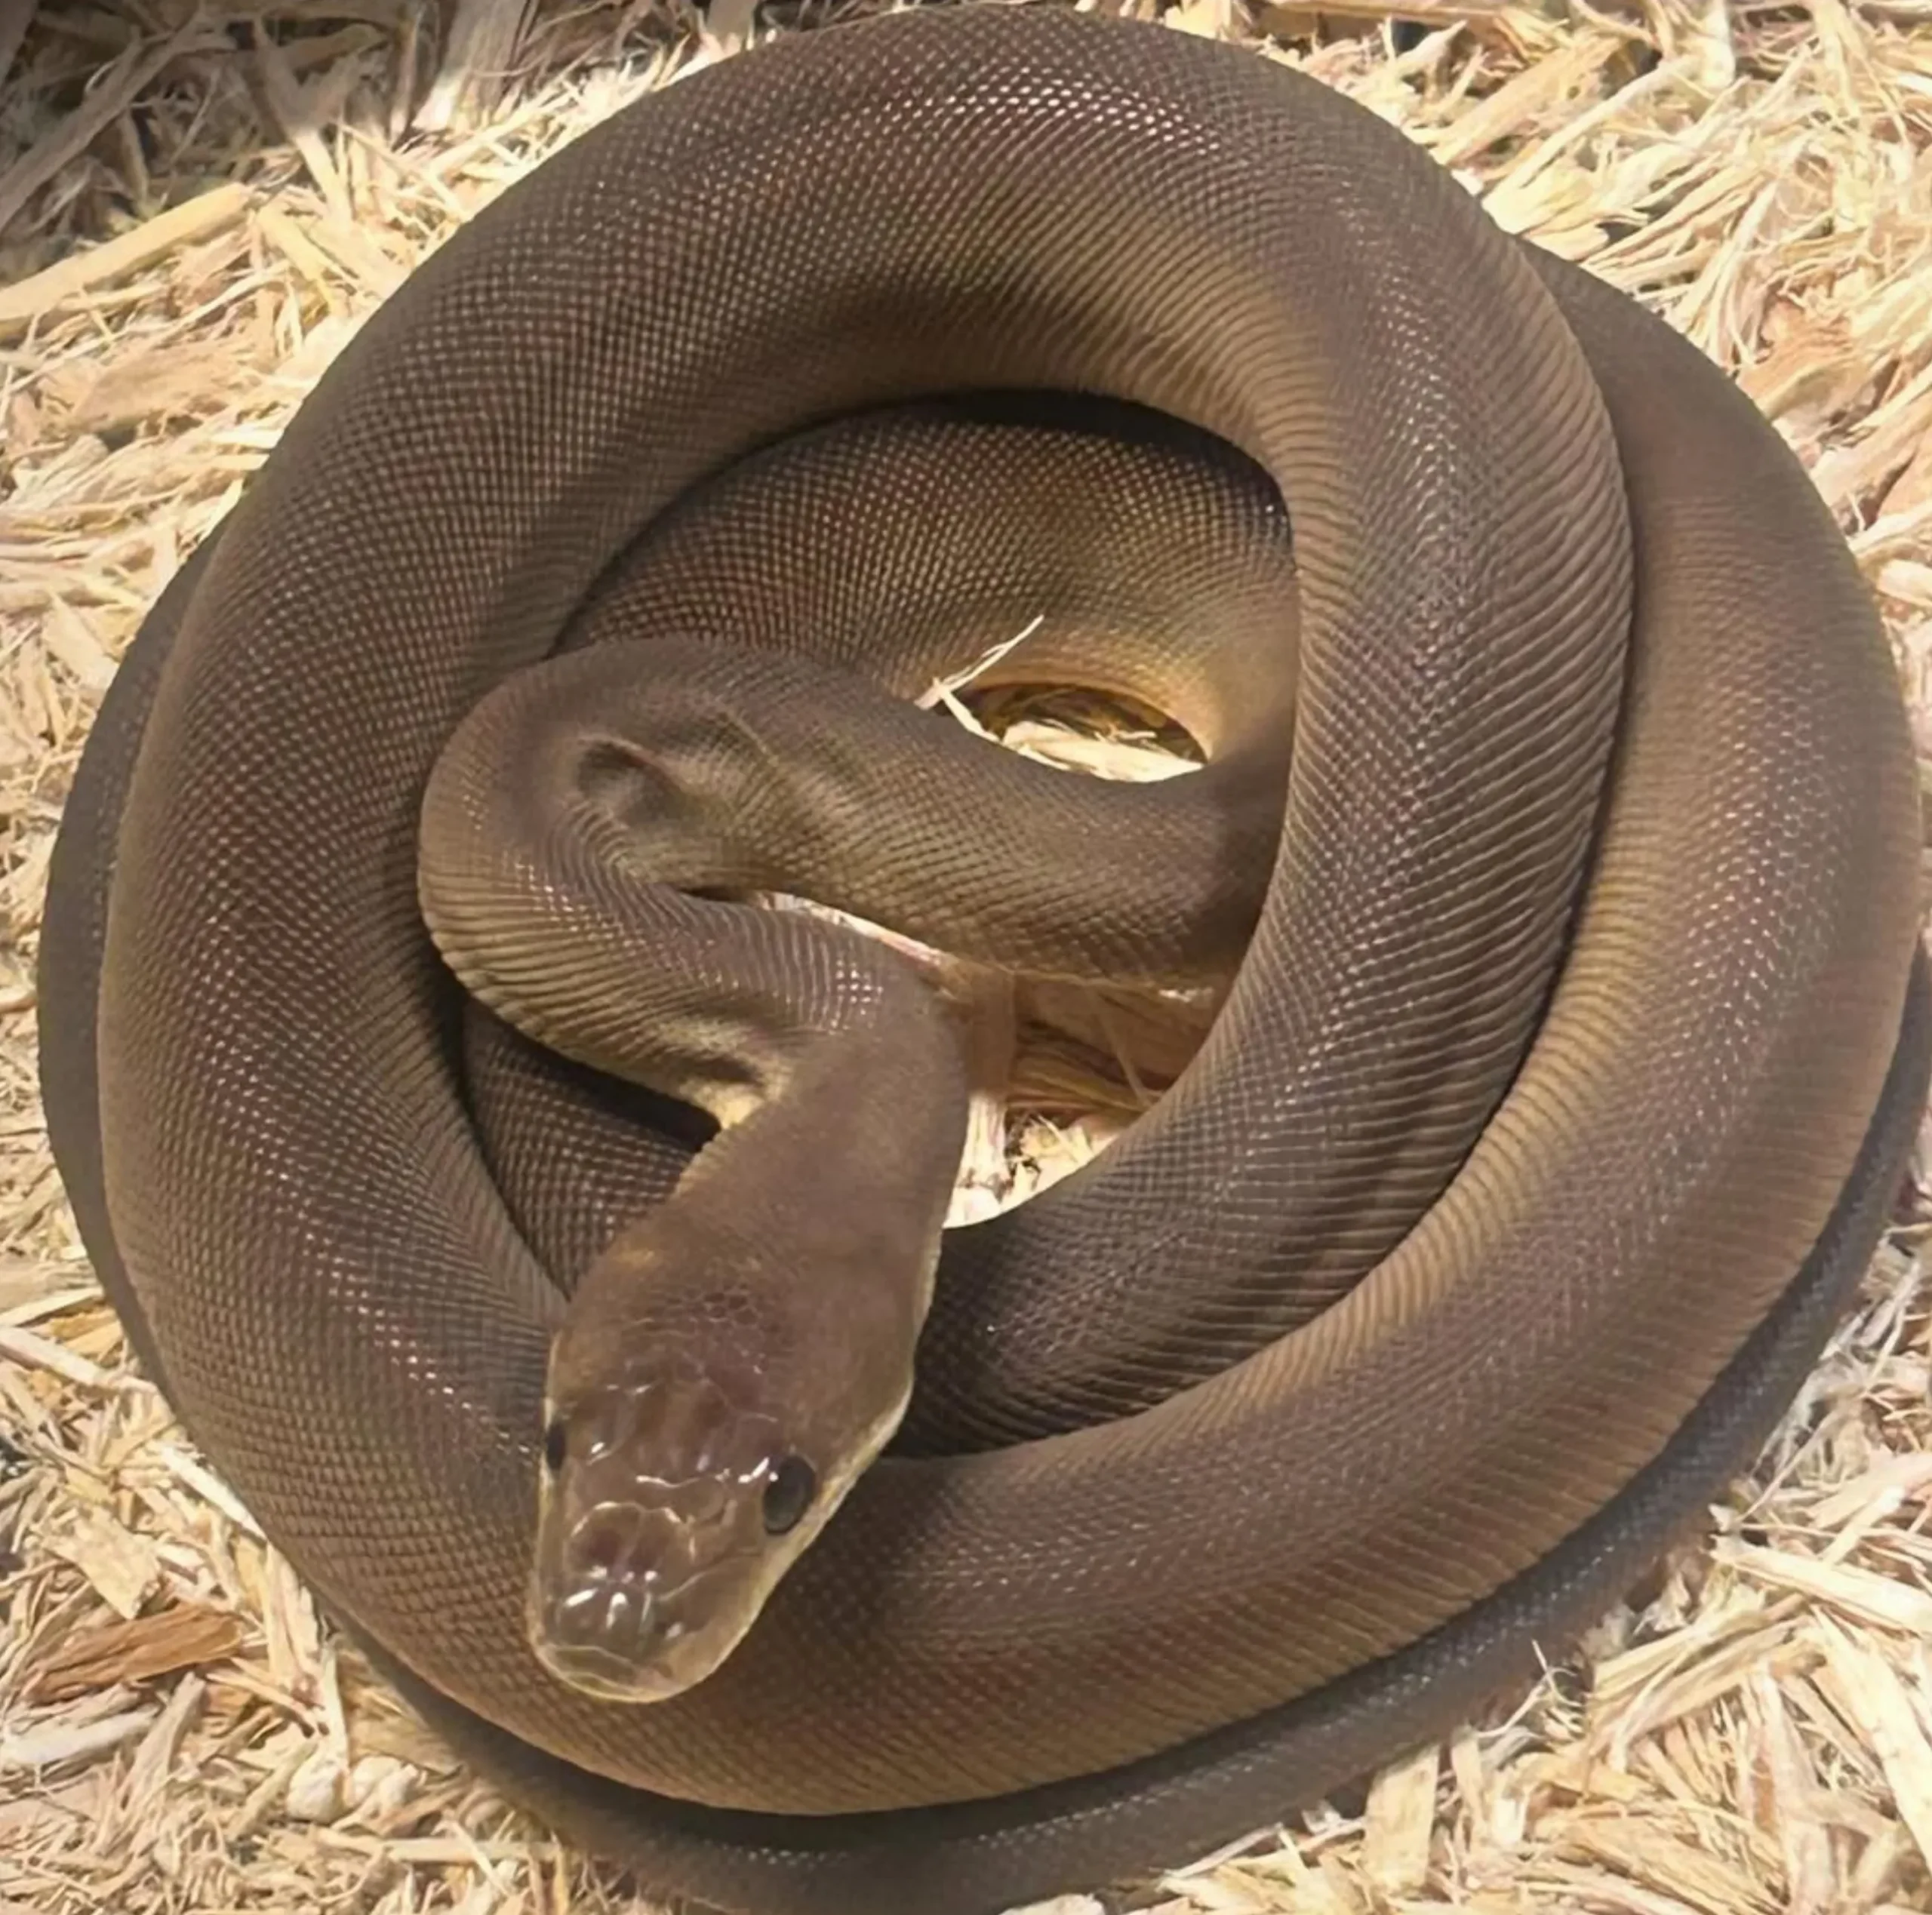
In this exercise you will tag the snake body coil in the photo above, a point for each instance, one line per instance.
(1558, 787)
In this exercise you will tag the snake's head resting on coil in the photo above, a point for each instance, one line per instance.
(725, 1371)
(669, 1508)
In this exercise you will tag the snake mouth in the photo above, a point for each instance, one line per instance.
(648, 1668)
(635, 1598)
(629, 1634)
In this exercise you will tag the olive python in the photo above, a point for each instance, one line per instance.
(545, 1242)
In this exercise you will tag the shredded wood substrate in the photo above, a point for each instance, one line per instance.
(200, 200)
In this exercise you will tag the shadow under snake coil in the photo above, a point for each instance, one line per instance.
(1559, 830)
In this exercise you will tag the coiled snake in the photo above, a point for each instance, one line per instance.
(1558, 816)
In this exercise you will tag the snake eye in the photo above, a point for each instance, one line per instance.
(788, 1494)
(556, 1446)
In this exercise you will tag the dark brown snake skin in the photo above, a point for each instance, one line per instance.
(1553, 1113)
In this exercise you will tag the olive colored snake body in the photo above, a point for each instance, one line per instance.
(1557, 825)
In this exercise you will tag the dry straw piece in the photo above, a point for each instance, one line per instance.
(199, 201)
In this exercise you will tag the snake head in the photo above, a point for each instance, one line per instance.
(727, 1367)
(668, 1511)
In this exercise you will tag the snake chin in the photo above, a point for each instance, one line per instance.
(655, 1549)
